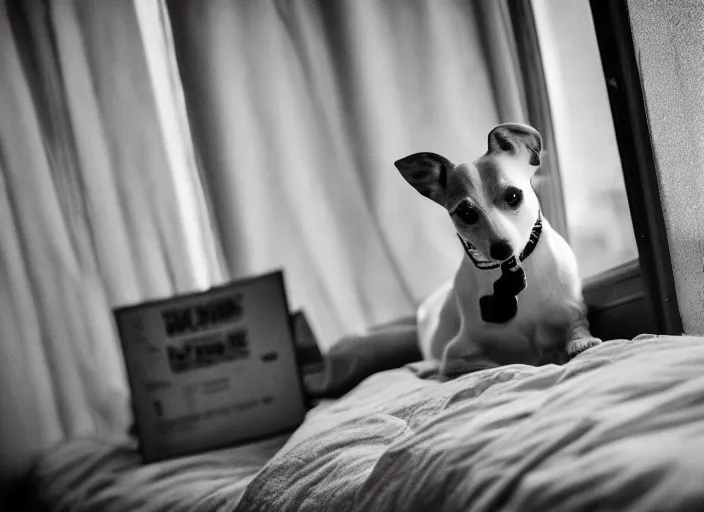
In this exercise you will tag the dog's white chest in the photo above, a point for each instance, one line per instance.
(526, 337)
(539, 327)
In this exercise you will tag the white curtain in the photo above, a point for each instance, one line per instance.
(100, 205)
(299, 110)
(118, 185)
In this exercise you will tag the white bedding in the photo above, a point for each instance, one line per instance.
(620, 427)
(88, 475)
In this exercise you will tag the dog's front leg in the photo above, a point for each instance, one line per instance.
(579, 338)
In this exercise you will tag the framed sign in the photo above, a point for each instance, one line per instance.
(213, 368)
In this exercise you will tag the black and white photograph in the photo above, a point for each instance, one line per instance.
(351, 255)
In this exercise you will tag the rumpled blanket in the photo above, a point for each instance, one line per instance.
(90, 475)
(620, 427)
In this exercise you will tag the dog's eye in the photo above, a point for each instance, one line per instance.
(513, 197)
(467, 214)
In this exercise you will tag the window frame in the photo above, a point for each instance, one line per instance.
(631, 124)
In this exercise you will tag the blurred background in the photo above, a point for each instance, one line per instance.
(154, 147)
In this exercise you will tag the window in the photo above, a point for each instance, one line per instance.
(596, 206)
(606, 164)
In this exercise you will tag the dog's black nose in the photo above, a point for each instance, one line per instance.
(500, 250)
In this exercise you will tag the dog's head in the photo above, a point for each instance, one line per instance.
(491, 201)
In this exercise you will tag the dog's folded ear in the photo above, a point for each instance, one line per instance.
(518, 140)
(427, 173)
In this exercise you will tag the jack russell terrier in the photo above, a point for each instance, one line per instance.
(517, 296)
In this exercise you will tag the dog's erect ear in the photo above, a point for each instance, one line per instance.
(427, 173)
(518, 140)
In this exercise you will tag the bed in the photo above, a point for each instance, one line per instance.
(620, 427)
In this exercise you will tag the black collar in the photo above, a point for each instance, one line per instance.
(483, 264)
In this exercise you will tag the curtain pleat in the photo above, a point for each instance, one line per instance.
(100, 206)
(299, 110)
(30, 205)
